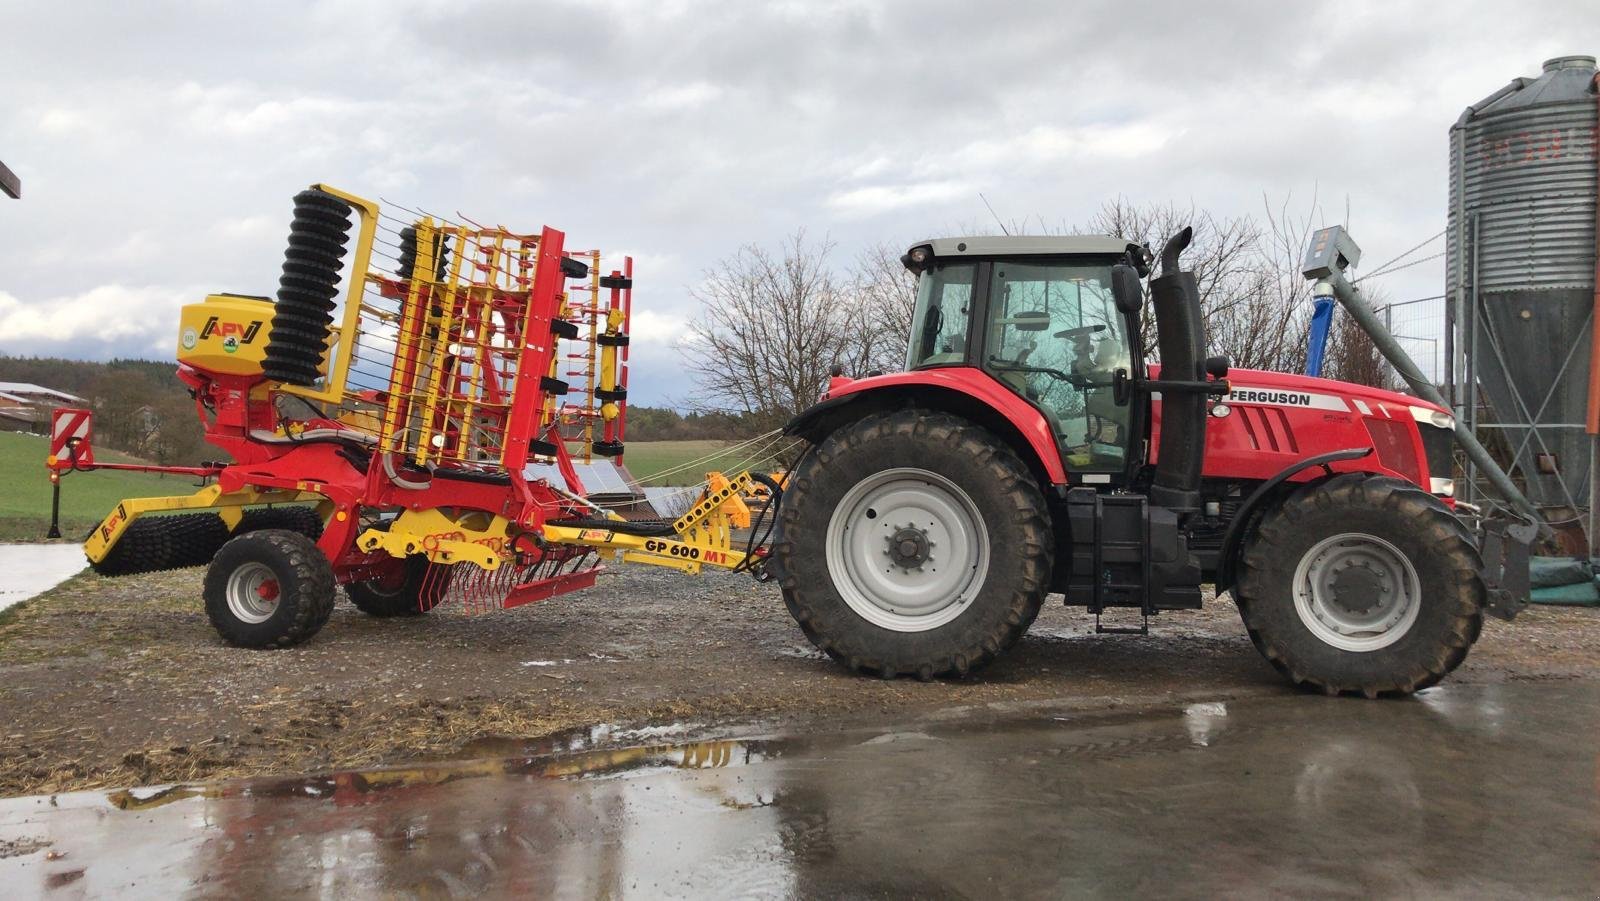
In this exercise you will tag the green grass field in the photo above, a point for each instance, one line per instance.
(85, 496)
(646, 458)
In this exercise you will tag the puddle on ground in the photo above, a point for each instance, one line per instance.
(1488, 791)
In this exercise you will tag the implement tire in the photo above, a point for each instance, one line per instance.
(1362, 584)
(914, 543)
(402, 593)
(269, 589)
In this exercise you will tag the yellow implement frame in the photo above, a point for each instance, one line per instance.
(701, 537)
(228, 505)
(704, 535)
(478, 539)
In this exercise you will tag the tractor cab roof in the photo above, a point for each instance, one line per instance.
(985, 246)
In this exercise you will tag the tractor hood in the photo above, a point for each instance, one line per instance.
(1289, 389)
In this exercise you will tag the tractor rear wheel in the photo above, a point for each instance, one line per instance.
(1362, 584)
(914, 543)
(406, 591)
(269, 589)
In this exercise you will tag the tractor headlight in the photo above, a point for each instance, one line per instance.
(1439, 419)
(921, 255)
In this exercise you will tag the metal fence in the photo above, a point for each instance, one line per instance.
(1419, 325)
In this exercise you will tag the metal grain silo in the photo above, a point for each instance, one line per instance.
(1520, 251)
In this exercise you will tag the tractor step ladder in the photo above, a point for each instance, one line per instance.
(1142, 629)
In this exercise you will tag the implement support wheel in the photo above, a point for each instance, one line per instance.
(400, 592)
(269, 589)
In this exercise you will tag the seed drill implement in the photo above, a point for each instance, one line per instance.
(423, 438)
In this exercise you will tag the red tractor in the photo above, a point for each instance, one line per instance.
(1031, 449)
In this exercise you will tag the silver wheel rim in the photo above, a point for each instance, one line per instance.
(907, 549)
(253, 592)
(1357, 592)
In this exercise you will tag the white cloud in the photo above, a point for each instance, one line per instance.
(103, 313)
(678, 97)
(654, 327)
(248, 228)
(879, 199)
(62, 121)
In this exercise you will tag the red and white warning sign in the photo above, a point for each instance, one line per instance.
(70, 433)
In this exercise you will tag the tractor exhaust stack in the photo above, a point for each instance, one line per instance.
(1180, 335)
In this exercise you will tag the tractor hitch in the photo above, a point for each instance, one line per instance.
(1506, 546)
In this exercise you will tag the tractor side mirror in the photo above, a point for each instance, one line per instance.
(1127, 289)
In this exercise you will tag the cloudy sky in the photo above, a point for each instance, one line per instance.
(159, 143)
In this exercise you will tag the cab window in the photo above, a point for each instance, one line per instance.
(1054, 335)
(939, 323)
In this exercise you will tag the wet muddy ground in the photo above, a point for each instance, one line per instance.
(119, 682)
(1469, 790)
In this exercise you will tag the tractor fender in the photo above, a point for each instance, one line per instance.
(1233, 537)
(969, 393)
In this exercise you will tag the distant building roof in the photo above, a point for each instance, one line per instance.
(20, 391)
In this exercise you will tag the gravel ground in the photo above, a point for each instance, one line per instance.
(110, 682)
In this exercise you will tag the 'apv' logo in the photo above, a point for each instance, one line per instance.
(232, 334)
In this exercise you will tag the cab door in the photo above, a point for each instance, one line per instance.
(1053, 334)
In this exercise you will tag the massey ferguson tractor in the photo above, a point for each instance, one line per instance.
(404, 431)
(1029, 449)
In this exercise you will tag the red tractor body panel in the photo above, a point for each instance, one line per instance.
(1276, 418)
(1273, 420)
(980, 386)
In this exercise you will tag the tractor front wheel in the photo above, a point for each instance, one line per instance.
(914, 543)
(269, 589)
(1362, 584)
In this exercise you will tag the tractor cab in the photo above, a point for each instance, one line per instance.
(1040, 315)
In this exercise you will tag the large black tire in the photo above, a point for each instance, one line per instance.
(1413, 529)
(269, 589)
(401, 596)
(1012, 514)
(304, 520)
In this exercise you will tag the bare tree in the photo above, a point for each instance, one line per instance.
(1351, 355)
(883, 296)
(770, 329)
(1221, 257)
(1256, 304)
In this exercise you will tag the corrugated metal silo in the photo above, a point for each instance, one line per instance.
(1520, 251)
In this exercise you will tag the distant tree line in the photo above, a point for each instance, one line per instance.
(665, 424)
(139, 405)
